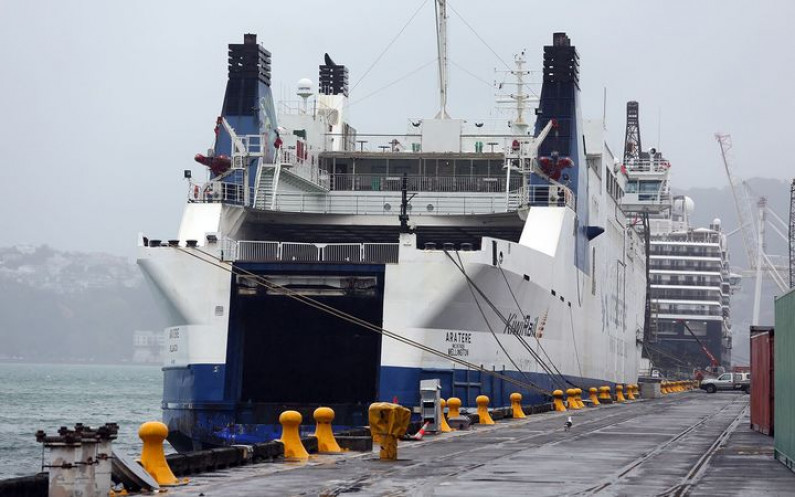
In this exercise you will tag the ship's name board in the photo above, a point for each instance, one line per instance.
(458, 343)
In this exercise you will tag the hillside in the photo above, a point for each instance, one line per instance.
(70, 306)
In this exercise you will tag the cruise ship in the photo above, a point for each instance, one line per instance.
(690, 282)
(318, 265)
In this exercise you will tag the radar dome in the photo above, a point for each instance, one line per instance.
(304, 88)
(716, 221)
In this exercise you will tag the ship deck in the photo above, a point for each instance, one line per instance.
(690, 443)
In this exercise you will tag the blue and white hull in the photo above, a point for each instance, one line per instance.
(522, 267)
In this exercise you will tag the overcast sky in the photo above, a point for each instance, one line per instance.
(104, 103)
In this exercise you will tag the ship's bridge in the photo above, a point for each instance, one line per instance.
(647, 188)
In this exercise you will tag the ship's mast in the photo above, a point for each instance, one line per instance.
(520, 96)
(441, 47)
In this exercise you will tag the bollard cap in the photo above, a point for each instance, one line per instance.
(619, 387)
(323, 415)
(290, 418)
(442, 403)
(516, 397)
(592, 390)
(558, 393)
(481, 400)
(578, 391)
(454, 402)
(153, 429)
(570, 392)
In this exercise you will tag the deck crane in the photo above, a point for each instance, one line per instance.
(714, 364)
(753, 231)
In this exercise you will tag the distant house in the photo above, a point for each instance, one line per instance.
(148, 346)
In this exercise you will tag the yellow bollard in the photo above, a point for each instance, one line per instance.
(443, 426)
(291, 439)
(663, 388)
(578, 393)
(571, 400)
(453, 405)
(153, 459)
(557, 401)
(388, 422)
(484, 418)
(516, 406)
(323, 432)
(620, 393)
(594, 397)
(630, 392)
(604, 393)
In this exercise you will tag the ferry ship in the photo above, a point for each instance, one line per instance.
(319, 266)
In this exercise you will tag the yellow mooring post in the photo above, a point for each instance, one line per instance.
(630, 392)
(594, 398)
(578, 395)
(620, 393)
(443, 426)
(516, 406)
(291, 439)
(604, 393)
(323, 431)
(153, 459)
(557, 400)
(484, 418)
(453, 405)
(664, 388)
(388, 422)
(571, 399)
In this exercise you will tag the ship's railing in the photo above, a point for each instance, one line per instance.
(468, 143)
(552, 195)
(423, 203)
(648, 166)
(366, 253)
(217, 191)
(380, 182)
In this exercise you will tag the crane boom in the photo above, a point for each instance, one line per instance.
(745, 217)
(713, 362)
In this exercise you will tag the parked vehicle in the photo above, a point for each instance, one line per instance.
(728, 381)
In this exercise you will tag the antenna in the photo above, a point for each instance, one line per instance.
(632, 145)
(441, 47)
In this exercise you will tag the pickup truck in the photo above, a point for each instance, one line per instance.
(728, 381)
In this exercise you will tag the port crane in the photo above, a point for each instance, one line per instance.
(752, 230)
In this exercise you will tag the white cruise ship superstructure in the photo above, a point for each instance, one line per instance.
(690, 283)
(322, 266)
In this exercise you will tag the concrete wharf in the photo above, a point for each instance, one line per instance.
(691, 443)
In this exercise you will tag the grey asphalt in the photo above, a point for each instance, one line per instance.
(690, 443)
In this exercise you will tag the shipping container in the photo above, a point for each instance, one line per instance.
(784, 378)
(762, 379)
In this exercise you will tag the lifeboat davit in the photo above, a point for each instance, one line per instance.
(218, 164)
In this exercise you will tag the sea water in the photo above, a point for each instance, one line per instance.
(47, 396)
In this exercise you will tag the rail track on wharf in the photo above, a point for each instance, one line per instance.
(661, 447)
